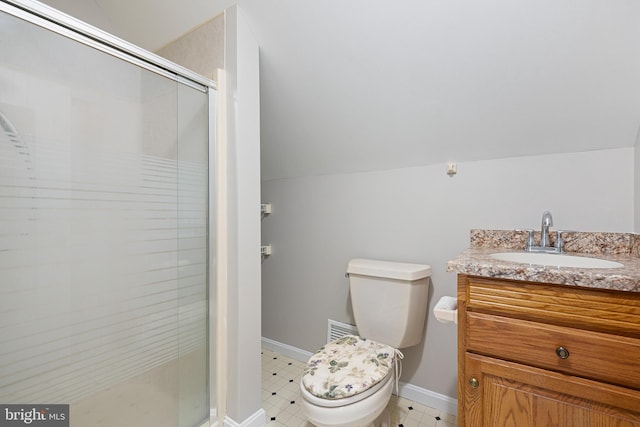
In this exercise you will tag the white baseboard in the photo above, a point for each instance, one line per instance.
(258, 419)
(429, 398)
(408, 391)
(286, 350)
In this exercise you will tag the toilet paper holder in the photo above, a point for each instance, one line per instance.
(446, 310)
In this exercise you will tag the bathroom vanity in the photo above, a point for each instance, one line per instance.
(541, 345)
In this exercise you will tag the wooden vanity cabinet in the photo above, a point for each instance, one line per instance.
(536, 355)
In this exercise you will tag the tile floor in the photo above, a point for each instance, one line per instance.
(281, 398)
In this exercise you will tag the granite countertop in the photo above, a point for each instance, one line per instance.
(620, 247)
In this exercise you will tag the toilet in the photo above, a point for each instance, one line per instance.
(349, 381)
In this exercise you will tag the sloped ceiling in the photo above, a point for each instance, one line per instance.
(371, 84)
(150, 24)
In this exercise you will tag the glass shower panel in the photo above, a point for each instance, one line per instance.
(103, 272)
(192, 257)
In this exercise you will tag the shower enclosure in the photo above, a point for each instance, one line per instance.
(104, 226)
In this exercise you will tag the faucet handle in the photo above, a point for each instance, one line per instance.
(530, 242)
(559, 244)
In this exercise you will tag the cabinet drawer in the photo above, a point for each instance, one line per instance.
(571, 306)
(600, 356)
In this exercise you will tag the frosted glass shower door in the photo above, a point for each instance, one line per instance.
(103, 234)
(192, 254)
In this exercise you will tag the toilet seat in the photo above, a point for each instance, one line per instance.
(347, 370)
(358, 410)
(333, 403)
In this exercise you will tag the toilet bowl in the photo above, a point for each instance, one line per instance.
(349, 381)
(368, 409)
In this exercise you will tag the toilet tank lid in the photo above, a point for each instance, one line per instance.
(388, 269)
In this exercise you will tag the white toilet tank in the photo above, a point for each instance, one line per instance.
(389, 300)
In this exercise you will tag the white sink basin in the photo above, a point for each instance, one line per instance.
(555, 260)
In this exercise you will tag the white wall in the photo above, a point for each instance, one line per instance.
(420, 215)
(636, 210)
(243, 346)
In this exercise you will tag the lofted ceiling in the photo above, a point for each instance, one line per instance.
(150, 24)
(376, 84)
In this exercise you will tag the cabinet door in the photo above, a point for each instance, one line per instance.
(501, 393)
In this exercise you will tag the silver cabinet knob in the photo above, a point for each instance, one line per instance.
(562, 352)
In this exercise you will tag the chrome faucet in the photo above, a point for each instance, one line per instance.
(547, 221)
(545, 245)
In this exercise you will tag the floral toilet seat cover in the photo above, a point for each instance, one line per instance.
(347, 366)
